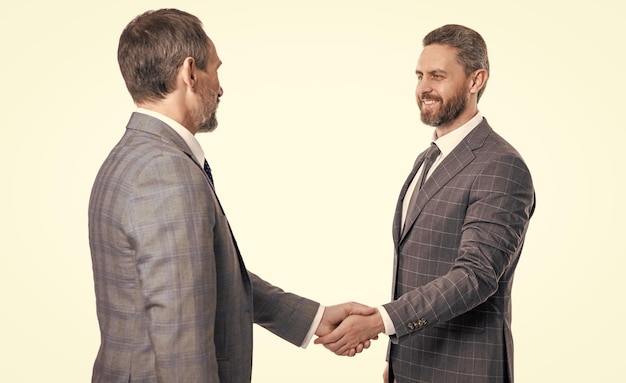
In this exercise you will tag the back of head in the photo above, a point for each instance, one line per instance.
(470, 46)
(152, 48)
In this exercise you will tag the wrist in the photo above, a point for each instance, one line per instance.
(379, 324)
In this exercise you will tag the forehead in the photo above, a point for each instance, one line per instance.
(213, 57)
(211, 46)
(438, 57)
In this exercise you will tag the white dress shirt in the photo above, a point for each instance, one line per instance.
(198, 154)
(446, 144)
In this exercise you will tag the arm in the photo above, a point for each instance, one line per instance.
(286, 315)
(500, 205)
(170, 220)
(291, 317)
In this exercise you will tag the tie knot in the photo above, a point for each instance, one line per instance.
(433, 152)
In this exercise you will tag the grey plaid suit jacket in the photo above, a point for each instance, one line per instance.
(175, 302)
(454, 265)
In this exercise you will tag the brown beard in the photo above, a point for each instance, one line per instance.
(205, 116)
(448, 112)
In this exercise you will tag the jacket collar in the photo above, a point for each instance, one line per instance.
(151, 125)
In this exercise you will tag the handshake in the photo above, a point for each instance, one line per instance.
(348, 328)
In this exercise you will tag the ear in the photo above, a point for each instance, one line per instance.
(188, 73)
(478, 80)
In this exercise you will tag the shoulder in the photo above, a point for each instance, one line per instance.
(142, 160)
(490, 148)
(496, 159)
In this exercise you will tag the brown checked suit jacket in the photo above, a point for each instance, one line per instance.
(454, 265)
(175, 302)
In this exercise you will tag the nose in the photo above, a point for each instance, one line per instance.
(221, 92)
(423, 86)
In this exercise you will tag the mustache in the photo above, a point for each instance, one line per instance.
(429, 97)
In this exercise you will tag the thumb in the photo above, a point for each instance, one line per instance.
(333, 337)
(359, 309)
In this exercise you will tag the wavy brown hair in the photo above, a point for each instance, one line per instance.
(470, 47)
(152, 48)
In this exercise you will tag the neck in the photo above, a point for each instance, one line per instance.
(168, 108)
(461, 120)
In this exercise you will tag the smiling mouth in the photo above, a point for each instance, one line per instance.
(429, 103)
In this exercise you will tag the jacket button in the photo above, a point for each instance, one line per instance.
(422, 322)
(411, 326)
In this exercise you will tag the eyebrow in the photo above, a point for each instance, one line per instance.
(434, 71)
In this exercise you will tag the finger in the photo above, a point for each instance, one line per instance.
(359, 348)
(333, 337)
(367, 344)
(347, 348)
(338, 348)
(359, 309)
(345, 352)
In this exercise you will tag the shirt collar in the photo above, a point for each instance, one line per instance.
(449, 141)
(185, 134)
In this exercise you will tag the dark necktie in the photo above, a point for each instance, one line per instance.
(207, 169)
(431, 155)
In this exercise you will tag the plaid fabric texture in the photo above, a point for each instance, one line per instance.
(454, 264)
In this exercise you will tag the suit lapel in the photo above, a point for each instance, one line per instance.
(456, 161)
(397, 221)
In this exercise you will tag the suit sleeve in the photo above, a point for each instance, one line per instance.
(500, 204)
(284, 314)
(170, 225)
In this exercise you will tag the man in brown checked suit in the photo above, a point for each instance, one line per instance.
(175, 302)
(458, 232)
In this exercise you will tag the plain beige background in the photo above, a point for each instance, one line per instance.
(318, 130)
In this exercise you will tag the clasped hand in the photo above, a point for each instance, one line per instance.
(347, 329)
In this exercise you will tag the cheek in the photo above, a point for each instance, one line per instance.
(215, 84)
(419, 88)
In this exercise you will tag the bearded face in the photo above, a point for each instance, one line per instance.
(444, 91)
(208, 93)
(205, 114)
(435, 111)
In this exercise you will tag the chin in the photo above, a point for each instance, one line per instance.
(430, 121)
(208, 126)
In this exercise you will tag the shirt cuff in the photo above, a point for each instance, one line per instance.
(390, 329)
(314, 325)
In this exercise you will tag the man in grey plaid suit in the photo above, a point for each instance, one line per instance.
(458, 232)
(175, 302)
